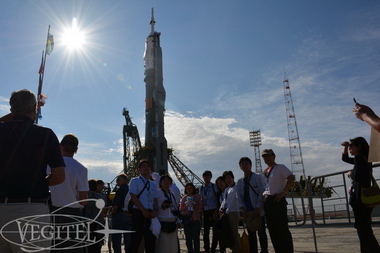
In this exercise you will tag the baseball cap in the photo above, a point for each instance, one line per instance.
(267, 152)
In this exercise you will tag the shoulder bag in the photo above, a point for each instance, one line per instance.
(371, 195)
(130, 203)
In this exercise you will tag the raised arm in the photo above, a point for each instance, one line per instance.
(366, 114)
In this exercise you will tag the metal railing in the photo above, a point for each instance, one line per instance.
(295, 216)
(340, 186)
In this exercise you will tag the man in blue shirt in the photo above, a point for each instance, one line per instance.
(208, 193)
(250, 197)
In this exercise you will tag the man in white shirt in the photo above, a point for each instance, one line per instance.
(278, 181)
(73, 191)
(144, 196)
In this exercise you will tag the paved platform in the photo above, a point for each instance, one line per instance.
(336, 236)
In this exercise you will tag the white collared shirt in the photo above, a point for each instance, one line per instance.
(148, 195)
(230, 200)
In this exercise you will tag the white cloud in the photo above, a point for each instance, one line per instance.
(197, 138)
(4, 106)
(4, 99)
(4, 109)
(212, 143)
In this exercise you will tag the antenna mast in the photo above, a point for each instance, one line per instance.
(294, 141)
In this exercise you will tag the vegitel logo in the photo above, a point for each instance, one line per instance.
(57, 231)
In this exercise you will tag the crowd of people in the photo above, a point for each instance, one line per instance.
(39, 176)
(152, 206)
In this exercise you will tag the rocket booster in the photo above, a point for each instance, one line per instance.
(155, 102)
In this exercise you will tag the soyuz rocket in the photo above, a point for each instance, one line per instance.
(155, 141)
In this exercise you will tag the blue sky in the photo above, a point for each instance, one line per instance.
(223, 69)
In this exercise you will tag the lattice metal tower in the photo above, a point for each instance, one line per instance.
(255, 141)
(294, 141)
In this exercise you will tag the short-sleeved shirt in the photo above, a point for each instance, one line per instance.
(148, 195)
(67, 193)
(275, 179)
(25, 151)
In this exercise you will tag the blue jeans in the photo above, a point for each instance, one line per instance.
(120, 220)
(192, 234)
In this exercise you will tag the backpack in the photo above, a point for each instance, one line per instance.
(90, 210)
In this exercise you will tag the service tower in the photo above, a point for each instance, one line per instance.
(155, 142)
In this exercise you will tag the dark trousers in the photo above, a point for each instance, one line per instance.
(262, 238)
(368, 242)
(63, 217)
(192, 234)
(215, 237)
(121, 221)
(141, 226)
(208, 222)
(277, 221)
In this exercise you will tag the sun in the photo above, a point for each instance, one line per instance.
(73, 38)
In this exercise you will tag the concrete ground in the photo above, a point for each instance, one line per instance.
(336, 236)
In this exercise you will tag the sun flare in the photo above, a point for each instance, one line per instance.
(73, 38)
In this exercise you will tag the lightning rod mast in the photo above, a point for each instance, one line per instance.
(294, 140)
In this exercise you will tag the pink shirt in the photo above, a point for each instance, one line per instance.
(197, 206)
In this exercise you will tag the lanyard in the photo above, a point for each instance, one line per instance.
(166, 195)
(266, 174)
(205, 190)
(170, 197)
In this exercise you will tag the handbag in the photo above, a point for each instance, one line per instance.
(168, 226)
(371, 195)
(252, 222)
(244, 241)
